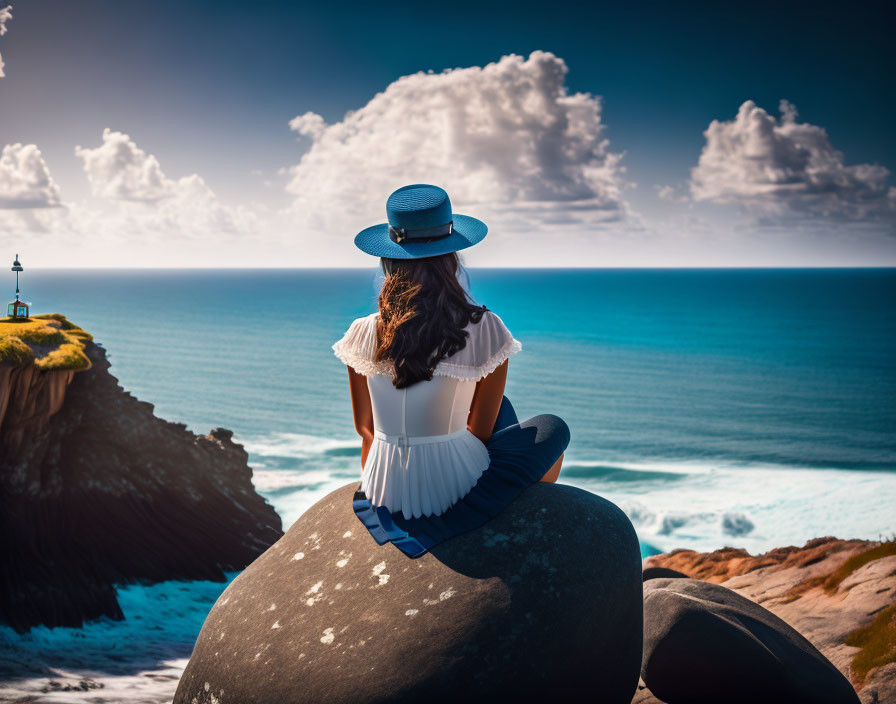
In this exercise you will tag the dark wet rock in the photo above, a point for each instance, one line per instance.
(706, 643)
(661, 573)
(95, 490)
(541, 603)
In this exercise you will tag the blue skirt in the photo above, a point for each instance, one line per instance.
(520, 454)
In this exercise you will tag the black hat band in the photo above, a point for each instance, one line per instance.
(427, 234)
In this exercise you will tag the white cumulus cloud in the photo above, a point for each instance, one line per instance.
(119, 169)
(781, 168)
(508, 141)
(5, 16)
(25, 180)
(146, 200)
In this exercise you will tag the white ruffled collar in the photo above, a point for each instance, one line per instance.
(489, 344)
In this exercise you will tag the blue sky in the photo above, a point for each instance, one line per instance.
(209, 89)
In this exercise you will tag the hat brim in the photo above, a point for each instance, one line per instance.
(465, 232)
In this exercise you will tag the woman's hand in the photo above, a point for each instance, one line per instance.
(487, 402)
(361, 410)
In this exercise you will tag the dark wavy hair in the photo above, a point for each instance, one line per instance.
(423, 313)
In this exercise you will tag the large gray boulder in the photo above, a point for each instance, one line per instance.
(542, 602)
(704, 643)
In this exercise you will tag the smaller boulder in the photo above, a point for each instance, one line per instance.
(662, 573)
(706, 643)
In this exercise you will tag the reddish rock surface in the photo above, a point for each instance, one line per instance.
(28, 398)
(812, 589)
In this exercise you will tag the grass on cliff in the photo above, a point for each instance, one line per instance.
(877, 642)
(49, 341)
(885, 549)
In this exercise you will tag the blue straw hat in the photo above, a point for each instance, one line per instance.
(421, 224)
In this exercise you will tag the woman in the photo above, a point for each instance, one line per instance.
(441, 448)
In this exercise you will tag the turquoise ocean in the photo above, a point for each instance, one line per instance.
(753, 408)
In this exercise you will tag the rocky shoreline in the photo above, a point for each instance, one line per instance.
(838, 594)
(95, 491)
(525, 606)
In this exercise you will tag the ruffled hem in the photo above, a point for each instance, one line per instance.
(459, 371)
(495, 489)
(423, 479)
(361, 364)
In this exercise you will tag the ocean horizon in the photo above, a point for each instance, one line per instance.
(747, 407)
(674, 382)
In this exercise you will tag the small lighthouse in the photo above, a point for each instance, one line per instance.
(17, 308)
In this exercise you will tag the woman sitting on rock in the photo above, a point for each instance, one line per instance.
(441, 448)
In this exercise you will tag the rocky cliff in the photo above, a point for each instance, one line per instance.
(839, 594)
(95, 490)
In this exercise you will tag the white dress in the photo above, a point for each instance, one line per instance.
(423, 458)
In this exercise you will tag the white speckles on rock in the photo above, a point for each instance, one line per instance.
(447, 594)
(206, 686)
(338, 586)
(298, 556)
(328, 636)
(314, 594)
(412, 612)
(314, 538)
(272, 607)
(276, 625)
(347, 534)
(378, 572)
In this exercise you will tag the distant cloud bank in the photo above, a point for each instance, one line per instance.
(510, 143)
(781, 168)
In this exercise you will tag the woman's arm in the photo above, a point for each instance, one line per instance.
(484, 412)
(361, 410)
(487, 402)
